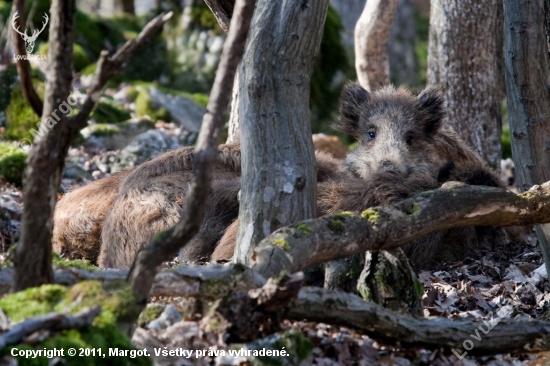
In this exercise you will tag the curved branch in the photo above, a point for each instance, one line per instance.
(455, 204)
(23, 66)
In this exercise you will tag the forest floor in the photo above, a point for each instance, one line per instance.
(508, 283)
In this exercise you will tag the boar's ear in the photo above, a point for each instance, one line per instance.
(352, 101)
(431, 101)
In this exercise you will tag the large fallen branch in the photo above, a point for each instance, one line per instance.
(296, 247)
(340, 308)
(52, 322)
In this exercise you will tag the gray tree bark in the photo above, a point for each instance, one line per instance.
(278, 164)
(464, 58)
(404, 67)
(46, 157)
(527, 76)
(371, 39)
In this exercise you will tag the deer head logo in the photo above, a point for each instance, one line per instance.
(29, 40)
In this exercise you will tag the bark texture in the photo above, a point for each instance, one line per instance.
(278, 164)
(371, 39)
(464, 59)
(455, 204)
(46, 157)
(404, 67)
(527, 78)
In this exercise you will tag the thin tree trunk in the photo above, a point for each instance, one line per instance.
(234, 133)
(371, 39)
(46, 159)
(464, 59)
(404, 67)
(527, 76)
(278, 164)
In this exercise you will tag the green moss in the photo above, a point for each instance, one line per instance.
(20, 117)
(304, 228)
(77, 263)
(414, 209)
(117, 304)
(281, 243)
(89, 70)
(418, 288)
(297, 346)
(345, 214)
(12, 165)
(202, 17)
(80, 57)
(336, 225)
(526, 195)
(144, 107)
(109, 111)
(150, 313)
(371, 215)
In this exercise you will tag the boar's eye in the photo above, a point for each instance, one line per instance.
(409, 138)
(371, 135)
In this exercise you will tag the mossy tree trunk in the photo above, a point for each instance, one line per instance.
(46, 158)
(278, 163)
(527, 74)
(465, 60)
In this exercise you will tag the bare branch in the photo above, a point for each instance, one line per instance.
(52, 321)
(23, 66)
(222, 10)
(455, 204)
(107, 67)
(167, 244)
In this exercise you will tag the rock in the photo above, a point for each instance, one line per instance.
(169, 316)
(77, 173)
(144, 147)
(116, 136)
(184, 111)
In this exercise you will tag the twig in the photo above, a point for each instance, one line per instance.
(52, 321)
(23, 66)
(166, 244)
(222, 10)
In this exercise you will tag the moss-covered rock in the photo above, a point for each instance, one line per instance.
(109, 111)
(145, 106)
(57, 261)
(12, 163)
(20, 117)
(117, 307)
(81, 59)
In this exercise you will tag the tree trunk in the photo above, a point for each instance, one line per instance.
(233, 132)
(371, 39)
(527, 75)
(46, 159)
(278, 164)
(464, 58)
(128, 7)
(404, 67)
